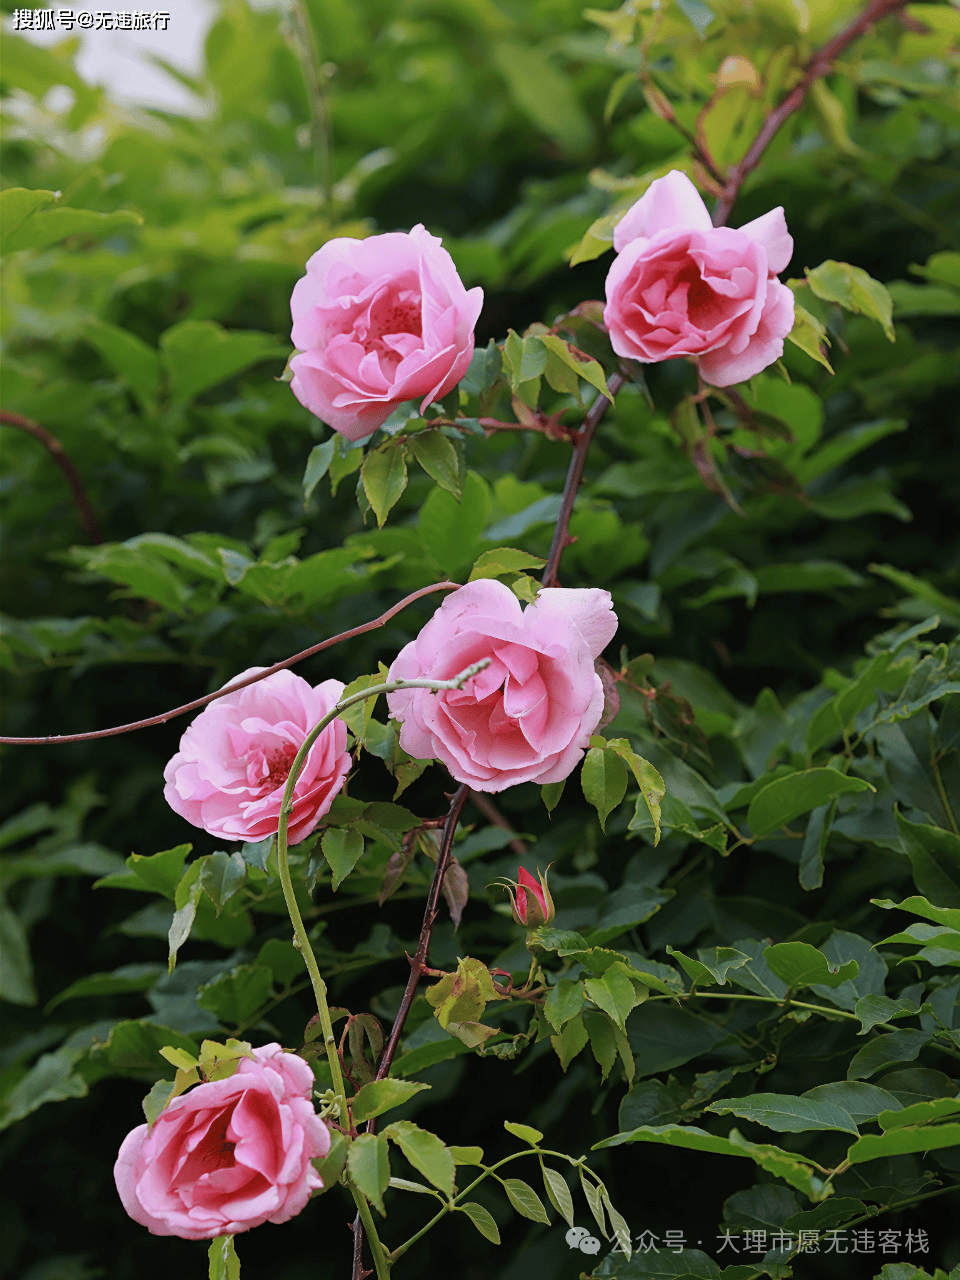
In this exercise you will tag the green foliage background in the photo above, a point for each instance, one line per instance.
(812, 632)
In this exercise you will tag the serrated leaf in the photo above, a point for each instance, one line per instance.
(384, 477)
(383, 1095)
(524, 1132)
(651, 785)
(482, 1219)
(558, 1193)
(503, 560)
(368, 1164)
(790, 796)
(712, 965)
(318, 464)
(156, 1100)
(603, 777)
(854, 290)
(570, 1041)
(564, 1001)
(613, 992)
(342, 847)
(46, 227)
(583, 366)
(800, 965)
(425, 1151)
(525, 1200)
(550, 794)
(786, 1114)
(438, 458)
(898, 1142)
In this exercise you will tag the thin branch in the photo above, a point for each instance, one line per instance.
(239, 684)
(818, 66)
(561, 533)
(60, 456)
(493, 814)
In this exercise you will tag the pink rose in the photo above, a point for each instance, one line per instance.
(377, 322)
(228, 1155)
(229, 774)
(681, 287)
(528, 716)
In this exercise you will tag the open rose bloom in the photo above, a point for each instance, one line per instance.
(229, 1155)
(681, 287)
(528, 716)
(377, 322)
(230, 772)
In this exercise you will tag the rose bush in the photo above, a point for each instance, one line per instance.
(528, 716)
(229, 1155)
(229, 774)
(681, 287)
(377, 322)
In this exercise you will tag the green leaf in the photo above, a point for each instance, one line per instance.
(200, 354)
(618, 1224)
(426, 1153)
(383, 1095)
(16, 968)
(384, 477)
(652, 786)
(831, 1213)
(788, 797)
(481, 1219)
(550, 794)
(186, 912)
(874, 1009)
(898, 1142)
(129, 977)
(342, 848)
(854, 290)
(525, 1200)
(603, 778)
(129, 356)
(318, 464)
(793, 1168)
(368, 1164)
(451, 531)
(543, 93)
(467, 1155)
(921, 907)
(934, 858)
(897, 1046)
(613, 992)
(603, 1043)
(157, 1099)
(786, 1114)
(222, 875)
(236, 997)
(17, 205)
(224, 1263)
(558, 1193)
(711, 965)
(800, 965)
(570, 1041)
(564, 1001)
(862, 1102)
(52, 1078)
(594, 1198)
(583, 366)
(492, 564)
(524, 1132)
(156, 873)
(438, 458)
(810, 336)
(919, 1113)
(50, 226)
(331, 1166)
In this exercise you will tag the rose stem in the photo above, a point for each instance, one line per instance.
(239, 684)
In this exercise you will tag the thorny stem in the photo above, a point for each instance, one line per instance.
(561, 532)
(819, 65)
(60, 456)
(384, 618)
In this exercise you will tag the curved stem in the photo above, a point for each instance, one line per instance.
(56, 450)
(384, 618)
(819, 65)
(797, 1004)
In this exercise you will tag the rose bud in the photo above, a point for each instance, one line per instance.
(532, 904)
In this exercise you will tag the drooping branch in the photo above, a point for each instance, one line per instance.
(60, 456)
(239, 684)
(818, 66)
(561, 532)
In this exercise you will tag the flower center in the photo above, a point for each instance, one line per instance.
(279, 762)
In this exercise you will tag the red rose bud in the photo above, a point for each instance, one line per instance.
(532, 904)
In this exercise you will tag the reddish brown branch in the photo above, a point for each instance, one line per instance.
(60, 456)
(493, 814)
(818, 66)
(240, 684)
(561, 532)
